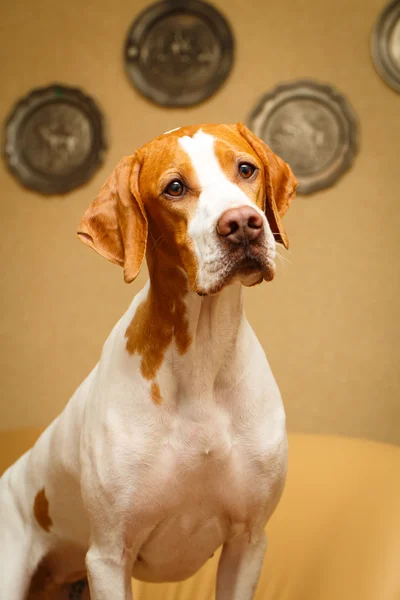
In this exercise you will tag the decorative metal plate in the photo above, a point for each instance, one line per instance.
(312, 127)
(53, 139)
(179, 52)
(385, 45)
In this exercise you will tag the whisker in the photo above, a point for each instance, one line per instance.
(282, 263)
(283, 258)
(283, 247)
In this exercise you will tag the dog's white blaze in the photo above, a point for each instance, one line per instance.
(218, 195)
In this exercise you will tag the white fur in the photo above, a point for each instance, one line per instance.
(218, 195)
(155, 490)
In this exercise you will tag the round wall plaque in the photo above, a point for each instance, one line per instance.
(312, 127)
(179, 52)
(385, 45)
(54, 139)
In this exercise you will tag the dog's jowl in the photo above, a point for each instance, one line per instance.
(175, 443)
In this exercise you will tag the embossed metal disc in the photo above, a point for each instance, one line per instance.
(54, 139)
(179, 52)
(385, 45)
(312, 127)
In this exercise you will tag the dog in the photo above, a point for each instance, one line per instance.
(175, 444)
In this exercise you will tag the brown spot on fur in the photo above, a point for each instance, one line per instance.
(156, 393)
(158, 320)
(41, 511)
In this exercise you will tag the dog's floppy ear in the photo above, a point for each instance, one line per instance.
(115, 224)
(280, 181)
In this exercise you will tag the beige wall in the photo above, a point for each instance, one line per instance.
(330, 321)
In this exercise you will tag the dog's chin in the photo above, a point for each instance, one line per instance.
(248, 279)
(249, 271)
(254, 272)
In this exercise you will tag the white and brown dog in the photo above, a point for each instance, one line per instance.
(175, 444)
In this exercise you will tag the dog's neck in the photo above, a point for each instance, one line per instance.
(215, 320)
(214, 324)
(192, 336)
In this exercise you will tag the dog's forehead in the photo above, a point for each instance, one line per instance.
(186, 145)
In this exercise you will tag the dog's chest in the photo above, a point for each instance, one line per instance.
(209, 482)
(198, 458)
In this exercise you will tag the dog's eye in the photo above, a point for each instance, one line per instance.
(175, 188)
(246, 170)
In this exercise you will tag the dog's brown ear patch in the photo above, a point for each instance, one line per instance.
(280, 180)
(115, 224)
(41, 511)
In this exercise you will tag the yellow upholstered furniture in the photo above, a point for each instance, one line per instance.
(334, 536)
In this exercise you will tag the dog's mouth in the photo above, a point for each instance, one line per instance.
(254, 269)
(250, 265)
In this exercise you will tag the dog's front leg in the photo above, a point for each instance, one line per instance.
(109, 573)
(239, 567)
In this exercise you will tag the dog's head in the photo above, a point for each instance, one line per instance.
(208, 199)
